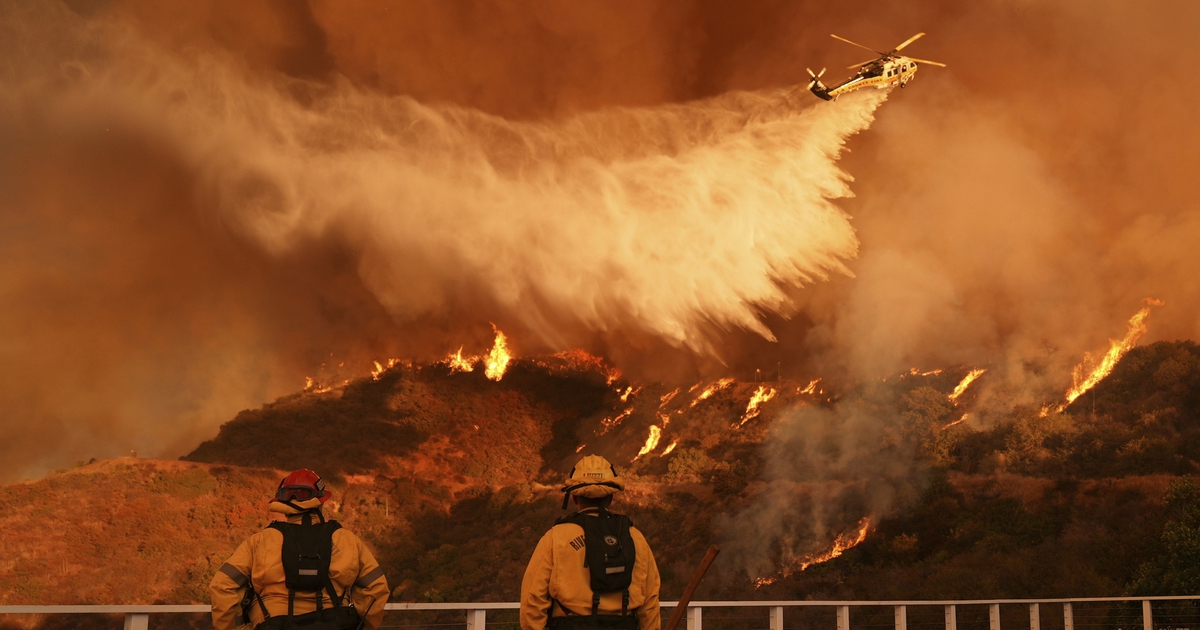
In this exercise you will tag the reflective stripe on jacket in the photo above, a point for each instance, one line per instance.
(556, 570)
(259, 559)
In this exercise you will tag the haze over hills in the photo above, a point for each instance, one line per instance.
(451, 477)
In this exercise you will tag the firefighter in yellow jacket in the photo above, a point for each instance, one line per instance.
(593, 569)
(299, 571)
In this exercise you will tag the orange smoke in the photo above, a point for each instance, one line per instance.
(965, 383)
(1137, 328)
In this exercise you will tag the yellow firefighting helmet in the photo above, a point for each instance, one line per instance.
(593, 477)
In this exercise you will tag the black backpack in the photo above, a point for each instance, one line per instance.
(609, 557)
(307, 551)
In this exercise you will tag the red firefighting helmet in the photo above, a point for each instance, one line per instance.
(302, 485)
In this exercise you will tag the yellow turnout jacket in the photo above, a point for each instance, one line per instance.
(556, 570)
(259, 561)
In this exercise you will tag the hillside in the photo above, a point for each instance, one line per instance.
(451, 477)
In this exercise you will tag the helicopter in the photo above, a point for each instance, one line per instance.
(889, 70)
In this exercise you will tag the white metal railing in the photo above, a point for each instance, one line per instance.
(137, 617)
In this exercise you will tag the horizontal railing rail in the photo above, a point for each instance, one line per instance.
(137, 616)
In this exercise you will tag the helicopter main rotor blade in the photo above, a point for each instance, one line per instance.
(857, 65)
(932, 63)
(855, 44)
(908, 41)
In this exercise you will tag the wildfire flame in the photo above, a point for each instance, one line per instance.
(380, 368)
(607, 424)
(762, 395)
(918, 372)
(308, 383)
(498, 359)
(666, 398)
(959, 421)
(1137, 328)
(459, 363)
(712, 389)
(811, 388)
(630, 391)
(651, 441)
(670, 447)
(581, 447)
(840, 545)
(965, 383)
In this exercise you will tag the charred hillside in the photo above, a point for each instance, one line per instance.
(451, 477)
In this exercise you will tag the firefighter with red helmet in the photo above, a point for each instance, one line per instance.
(301, 571)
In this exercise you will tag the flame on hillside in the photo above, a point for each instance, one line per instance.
(651, 441)
(495, 362)
(811, 388)
(761, 395)
(711, 389)
(959, 421)
(381, 368)
(499, 357)
(459, 363)
(965, 383)
(670, 447)
(666, 398)
(842, 543)
(1118, 348)
(630, 391)
(918, 372)
(607, 424)
(579, 361)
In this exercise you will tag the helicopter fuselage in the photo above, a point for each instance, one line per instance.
(880, 74)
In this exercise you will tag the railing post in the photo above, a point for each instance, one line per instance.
(951, 617)
(1068, 617)
(695, 618)
(901, 617)
(994, 616)
(843, 618)
(1035, 617)
(1147, 616)
(777, 618)
(137, 621)
(476, 619)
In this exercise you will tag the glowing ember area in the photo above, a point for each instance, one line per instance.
(607, 424)
(665, 417)
(918, 372)
(581, 447)
(1137, 328)
(666, 398)
(840, 545)
(651, 441)
(581, 360)
(497, 360)
(811, 388)
(308, 383)
(629, 391)
(712, 389)
(965, 383)
(459, 363)
(762, 395)
(959, 421)
(670, 447)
